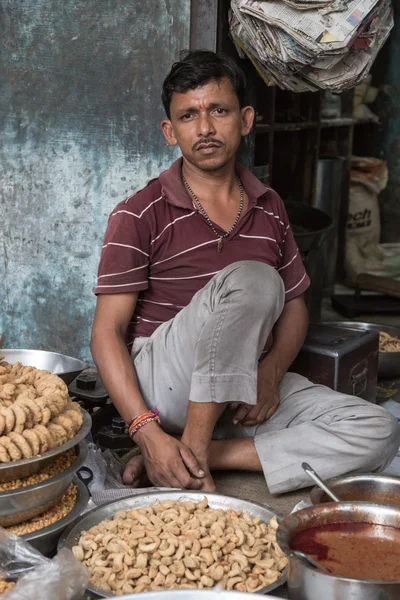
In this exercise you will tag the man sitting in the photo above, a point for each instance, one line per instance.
(200, 313)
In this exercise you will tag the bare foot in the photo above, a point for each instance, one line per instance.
(207, 484)
(134, 472)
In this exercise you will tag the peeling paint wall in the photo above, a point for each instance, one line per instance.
(80, 131)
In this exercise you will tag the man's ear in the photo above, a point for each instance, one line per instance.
(168, 132)
(247, 116)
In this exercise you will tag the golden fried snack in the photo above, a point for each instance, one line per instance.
(9, 417)
(28, 402)
(75, 416)
(43, 431)
(58, 433)
(65, 422)
(388, 343)
(33, 440)
(2, 423)
(4, 456)
(20, 441)
(43, 403)
(6, 586)
(44, 446)
(36, 413)
(12, 449)
(7, 391)
(20, 417)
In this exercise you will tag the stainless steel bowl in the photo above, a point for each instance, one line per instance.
(65, 367)
(45, 540)
(194, 595)
(20, 469)
(308, 583)
(28, 502)
(71, 536)
(388, 362)
(379, 489)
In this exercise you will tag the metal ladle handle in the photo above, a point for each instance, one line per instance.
(320, 483)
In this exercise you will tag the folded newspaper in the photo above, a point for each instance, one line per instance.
(306, 45)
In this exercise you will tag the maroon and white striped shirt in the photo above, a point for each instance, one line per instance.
(159, 244)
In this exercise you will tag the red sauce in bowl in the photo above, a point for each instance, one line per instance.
(355, 550)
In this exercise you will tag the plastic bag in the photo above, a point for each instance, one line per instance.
(61, 578)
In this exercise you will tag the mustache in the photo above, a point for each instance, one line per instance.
(207, 140)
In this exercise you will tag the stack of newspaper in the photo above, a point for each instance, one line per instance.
(305, 45)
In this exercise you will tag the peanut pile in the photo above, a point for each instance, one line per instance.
(59, 465)
(54, 514)
(36, 412)
(181, 545)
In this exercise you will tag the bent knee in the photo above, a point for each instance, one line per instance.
(384, 439)
(256, 279)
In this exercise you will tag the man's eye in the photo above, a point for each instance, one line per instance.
(187, 116)
(220, 111)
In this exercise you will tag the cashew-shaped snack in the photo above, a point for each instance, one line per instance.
(13, 450)
(150, 544)
(33, 440)
(20, 441)
(9, 417)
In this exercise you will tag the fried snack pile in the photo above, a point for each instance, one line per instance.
(36, 412)
(59, 465)
(62, 507)
(388, 343)
(6, 586)
(181, 545)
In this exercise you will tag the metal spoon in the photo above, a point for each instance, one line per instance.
(320, 483)
(311, 561)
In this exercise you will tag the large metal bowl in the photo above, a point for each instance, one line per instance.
(20, 469)
(389, 362)
(71, 536)
(45, 540)
(379, 489)
(65, 367)
(193, 595)
(308, 583)
(28, 502)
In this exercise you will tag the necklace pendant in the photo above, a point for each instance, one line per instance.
(220, 244)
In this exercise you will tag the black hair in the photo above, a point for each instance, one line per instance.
(196, 68)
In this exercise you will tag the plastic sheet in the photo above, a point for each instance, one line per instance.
(61, 578)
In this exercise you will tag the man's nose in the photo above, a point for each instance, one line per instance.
(206, 125)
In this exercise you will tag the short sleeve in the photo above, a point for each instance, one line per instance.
(291, 267)
(125, 255)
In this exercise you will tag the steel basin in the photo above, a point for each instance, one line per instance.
(65, 367)
(45, 540)
(71, 536)
(195, 595)
(31, 501)
(307, 583)
(379, 489)
(388, 362)
(18, 469)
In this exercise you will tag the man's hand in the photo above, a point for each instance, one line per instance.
(267, 397)
(169, 462)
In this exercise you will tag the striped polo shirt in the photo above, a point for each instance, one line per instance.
(157, 243)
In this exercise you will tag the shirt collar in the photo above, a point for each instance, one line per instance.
(174, 191)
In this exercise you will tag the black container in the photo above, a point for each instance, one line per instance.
(310, 227)
(345, 360)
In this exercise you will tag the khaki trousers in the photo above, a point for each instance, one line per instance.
(210, 351)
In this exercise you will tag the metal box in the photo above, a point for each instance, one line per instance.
(345, 360)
